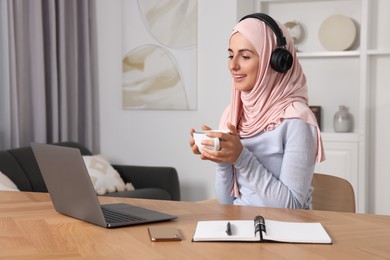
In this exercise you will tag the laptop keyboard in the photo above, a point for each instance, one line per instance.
(117, 217)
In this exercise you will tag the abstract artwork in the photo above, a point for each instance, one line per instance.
(159, 54)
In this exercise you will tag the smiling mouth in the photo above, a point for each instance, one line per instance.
(239, 77)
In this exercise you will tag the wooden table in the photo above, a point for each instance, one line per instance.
(31, 229)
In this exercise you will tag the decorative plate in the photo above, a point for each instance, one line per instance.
(337, 33)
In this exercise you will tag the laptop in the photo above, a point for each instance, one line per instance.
(72, 192)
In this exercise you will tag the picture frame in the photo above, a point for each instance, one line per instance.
(317, 113)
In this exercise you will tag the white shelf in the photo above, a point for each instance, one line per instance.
(340, 137)
(328, 54)
(295, 1)
(378, 52)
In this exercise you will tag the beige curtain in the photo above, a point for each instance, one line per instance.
(51, 82)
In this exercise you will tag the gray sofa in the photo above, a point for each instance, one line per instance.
(150, 182)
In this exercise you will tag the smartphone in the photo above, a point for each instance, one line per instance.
(164, 234)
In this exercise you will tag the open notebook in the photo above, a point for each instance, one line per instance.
(261, 230)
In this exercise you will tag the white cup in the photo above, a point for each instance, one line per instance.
(199, 136)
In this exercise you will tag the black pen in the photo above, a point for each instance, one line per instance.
(228, 229)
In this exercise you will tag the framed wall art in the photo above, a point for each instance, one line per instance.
(159, 54)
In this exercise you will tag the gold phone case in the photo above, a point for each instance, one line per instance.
(164, 234)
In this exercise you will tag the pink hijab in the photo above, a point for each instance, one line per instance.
(275, 96)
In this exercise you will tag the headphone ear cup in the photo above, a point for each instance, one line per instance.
(281, 60)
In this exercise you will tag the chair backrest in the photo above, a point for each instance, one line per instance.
(332, 193)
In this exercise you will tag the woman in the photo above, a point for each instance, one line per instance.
(269, 156)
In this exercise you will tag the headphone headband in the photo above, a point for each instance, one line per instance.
(281, 40)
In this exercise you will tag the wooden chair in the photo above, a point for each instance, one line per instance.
(332, 193)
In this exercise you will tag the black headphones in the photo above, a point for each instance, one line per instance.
(281, 59)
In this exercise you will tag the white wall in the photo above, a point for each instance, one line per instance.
(160, 138)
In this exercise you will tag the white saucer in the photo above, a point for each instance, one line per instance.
(337, 33)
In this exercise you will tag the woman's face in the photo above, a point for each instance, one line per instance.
(243, 62)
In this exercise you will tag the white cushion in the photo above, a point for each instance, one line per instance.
(6, 183)
(104, 177)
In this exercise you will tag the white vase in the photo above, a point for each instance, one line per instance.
(342, 121)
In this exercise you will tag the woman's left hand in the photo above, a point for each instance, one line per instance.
(230, 144)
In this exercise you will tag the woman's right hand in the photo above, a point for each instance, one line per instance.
(193, 146)
(230, 144)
